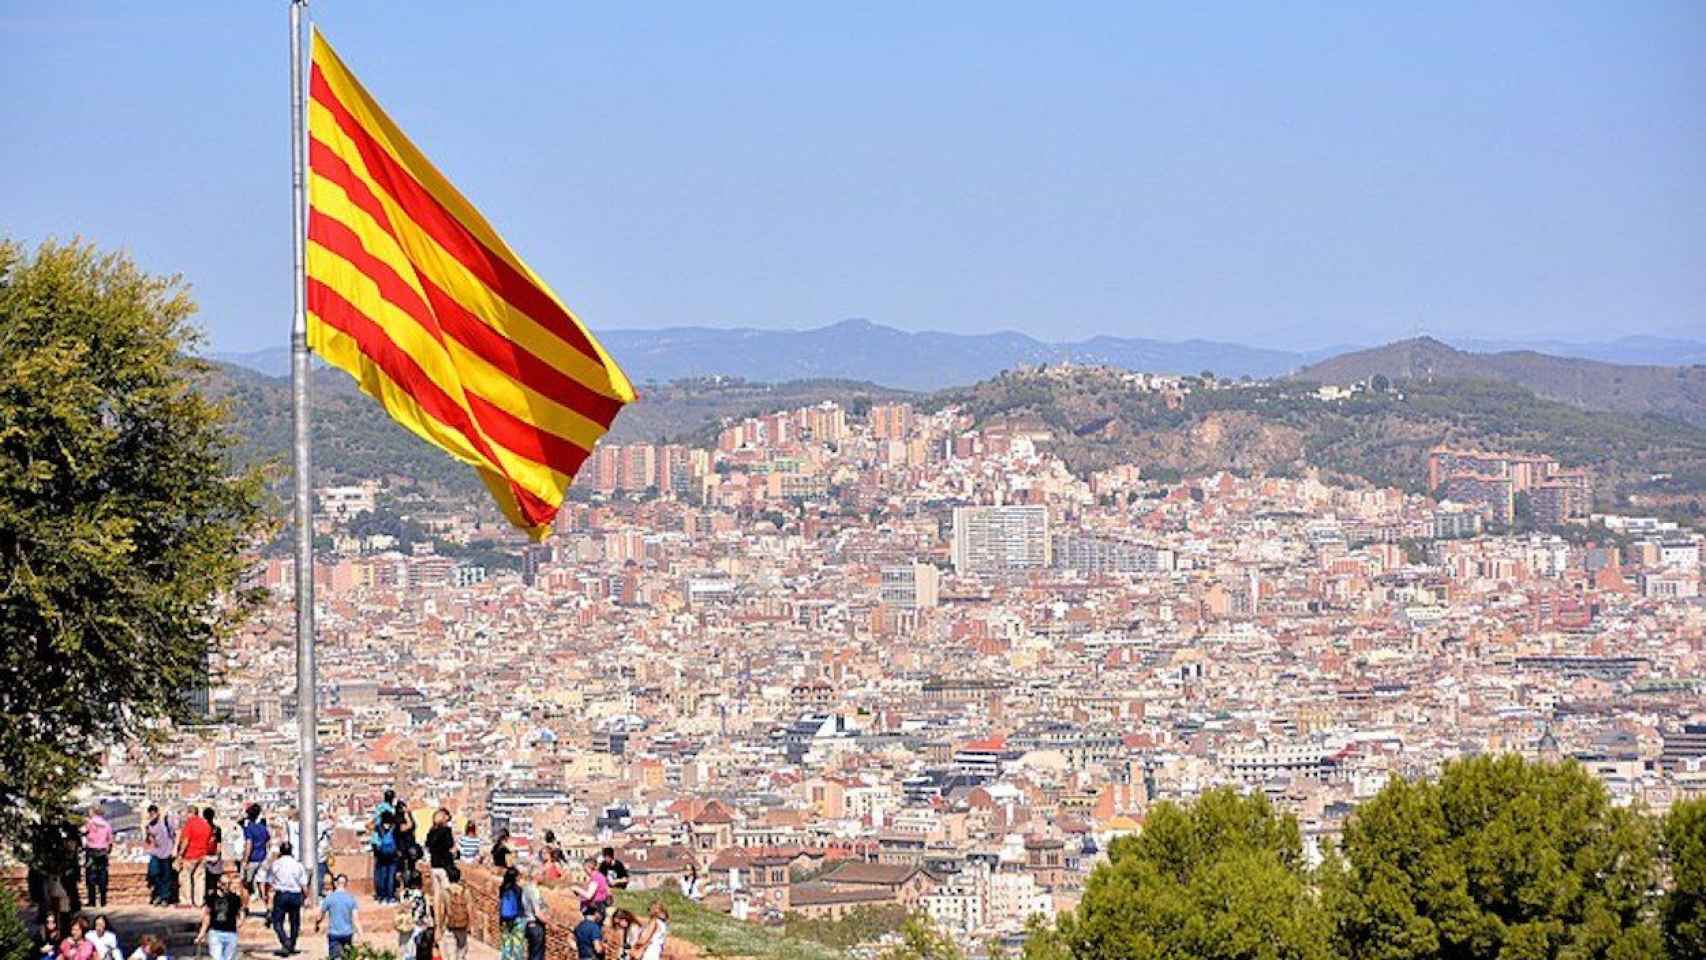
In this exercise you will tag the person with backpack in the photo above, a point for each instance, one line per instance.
(413, 920)
(512, 923)
(385, 860)
(454, 913)
(257, 839)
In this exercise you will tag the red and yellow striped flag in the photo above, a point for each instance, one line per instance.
(414, 294)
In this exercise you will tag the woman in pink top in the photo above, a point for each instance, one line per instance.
(596, 891)
(76, 946)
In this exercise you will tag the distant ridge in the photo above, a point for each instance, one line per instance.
(929, 360)
(1673, 391)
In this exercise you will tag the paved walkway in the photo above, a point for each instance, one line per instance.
(255, 940)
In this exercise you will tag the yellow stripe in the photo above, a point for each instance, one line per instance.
(435, 362)
(367, 112)
(424, 254)
(341, 351)
(476, 374)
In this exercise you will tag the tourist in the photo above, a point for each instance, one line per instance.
(692, 885)
(594, 890)
(52, 935)
(413, 916)
(553, 849)
(323, 858)
(650, 942)
(215, 862)
(454, 913)
(193, 839)
(97, 854)
(161, 842)
(440, 847)
(512, 937)
(386, 806)
(468, 846)
(408, 847)
(384, 844)
(104, 939)
(535, 914)
(339, 908)
(150, 947)
(614, 870)
(257, 840)
(501, 850)
(225, 910)
(589, 936)
(289, 880)
(620, 934)
(76, 945)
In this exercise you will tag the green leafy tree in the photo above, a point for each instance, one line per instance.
(1498, 858)
(1221, 879)
(920, 940)
(1684, 914)
(15, 940)
(121, 524)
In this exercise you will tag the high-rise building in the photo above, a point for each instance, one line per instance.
(1001, 539)
(911, 586)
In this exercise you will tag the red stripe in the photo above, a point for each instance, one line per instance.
(403, 370)
(443, 226)
(446, 316)
(323, 160)
(517, 435)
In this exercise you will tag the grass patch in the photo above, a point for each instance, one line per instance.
(720, 935)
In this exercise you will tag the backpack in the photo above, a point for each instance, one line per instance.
(386, 844)
(456, 910)
(509, 904)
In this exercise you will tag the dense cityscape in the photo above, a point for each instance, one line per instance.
(876, 656)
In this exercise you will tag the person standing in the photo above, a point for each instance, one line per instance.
(162, 846)
(468, 846)
(323, 858)
(193, 838)
(656, 933)
(224, 913)
(512, 939)
(500, 850)
(289, 880)
(214, 865)
(257, 840)
(440, 847)
(339, 908)
(384, 845)
(413, 917)
(534, 913)
(97, 855)
(594, 890)
(589, 936)
(454, 914)
(614, 870)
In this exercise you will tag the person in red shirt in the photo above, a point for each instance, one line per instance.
(195, 842)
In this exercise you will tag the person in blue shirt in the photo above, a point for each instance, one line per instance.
(256, 841)
(589, 934)
(340, 909)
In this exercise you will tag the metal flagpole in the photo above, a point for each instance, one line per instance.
(307, 810)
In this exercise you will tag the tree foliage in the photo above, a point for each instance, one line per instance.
(1498, 858)
(121, 526)
(920, 940)
(1223, 878)
(1684, 912)
(15, 940)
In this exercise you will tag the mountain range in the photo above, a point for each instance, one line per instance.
(928, 360)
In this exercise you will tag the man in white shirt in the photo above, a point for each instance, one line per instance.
(289, 880)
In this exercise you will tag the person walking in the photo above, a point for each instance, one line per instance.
(225, 910)
(454, 914)
(104, 939)
(413, 918)
(97, 854)
(289, 880)
(193, 839)
(655, 934)
(323, 859)
(214, 865)
(162, 846)
(257, 840)
(512, 937)
(338, 912)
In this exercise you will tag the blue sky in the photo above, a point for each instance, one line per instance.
(1280, 174)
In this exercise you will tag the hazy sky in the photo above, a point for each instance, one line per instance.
(1281, 174)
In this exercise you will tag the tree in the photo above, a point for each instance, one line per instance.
(1498, 858)
(1222, 878)
(1379, 383)
(121, 524)
(15, 940)
(920, 940)
(1684, 910)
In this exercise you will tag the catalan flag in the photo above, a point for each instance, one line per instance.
(413, 293)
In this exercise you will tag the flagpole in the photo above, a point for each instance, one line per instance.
(307, 809)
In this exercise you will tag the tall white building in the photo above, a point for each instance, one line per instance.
(1000, 539)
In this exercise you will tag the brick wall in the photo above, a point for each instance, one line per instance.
(127, 884)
